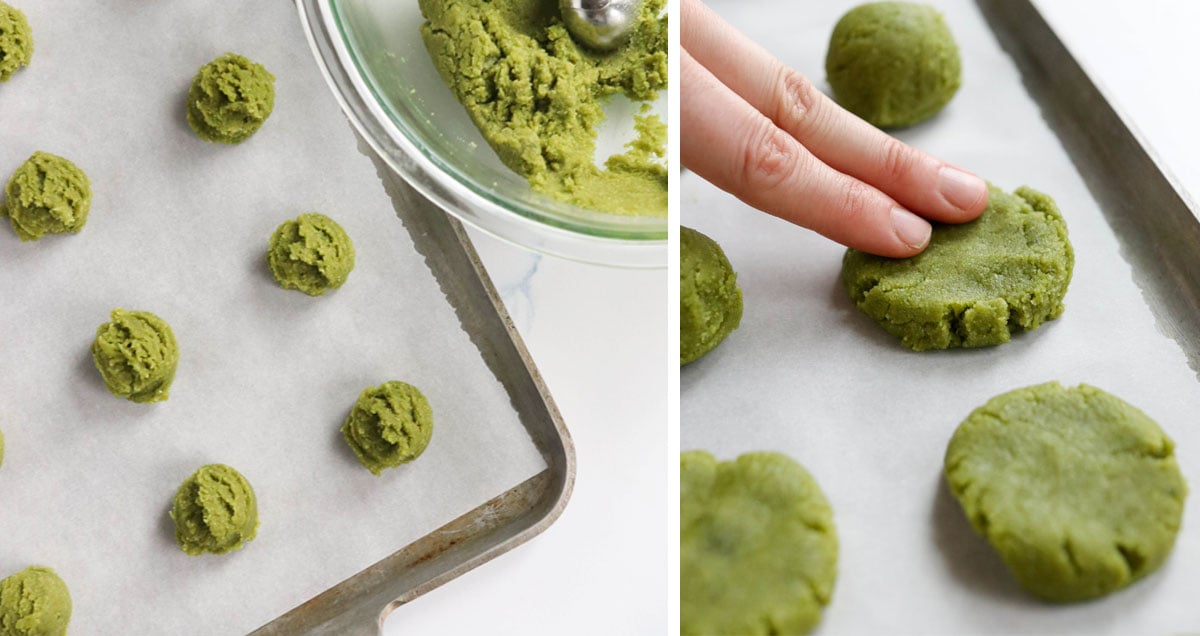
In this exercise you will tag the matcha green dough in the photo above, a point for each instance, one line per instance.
(1077, 490)
(893, 63)
(214, 511)
(230, 98)
(710, 302)
(34, 602)
(312, 254)
(136, 354)
(977, 283)
(46, 195)
(757, 546)
(16, 41)
(537, 96)
(390, 425)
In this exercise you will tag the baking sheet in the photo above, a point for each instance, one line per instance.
(179, 227)
(809, 375)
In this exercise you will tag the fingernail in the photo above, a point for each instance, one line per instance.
(910, 228)
(961, 189)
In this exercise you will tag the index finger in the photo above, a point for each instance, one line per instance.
(922, 183)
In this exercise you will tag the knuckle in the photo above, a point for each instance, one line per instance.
(857, 200)
(795, 99)
(768, 157)
(899, 161)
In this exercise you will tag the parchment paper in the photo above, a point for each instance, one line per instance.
(179, 227)
(809, 375)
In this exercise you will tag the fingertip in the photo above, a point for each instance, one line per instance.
(912, 232)
(966, 193)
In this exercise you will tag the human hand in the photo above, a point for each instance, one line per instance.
(761, 131)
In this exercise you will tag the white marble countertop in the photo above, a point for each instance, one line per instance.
(597, 336)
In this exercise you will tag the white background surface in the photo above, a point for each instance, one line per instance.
(812, 377)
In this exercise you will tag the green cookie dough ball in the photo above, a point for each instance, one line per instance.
(136, 354)
(34, 602)
(757, 546)
(230, 98)
(893, 63)
(1077, 490)
(16, 41)
(710, 302)
(312, 254)
(977, 283)
(47, 195)
(390, 425)
(214, 511)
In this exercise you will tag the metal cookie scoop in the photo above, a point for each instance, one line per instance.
(599, 24)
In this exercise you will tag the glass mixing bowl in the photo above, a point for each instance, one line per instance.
(371, 53)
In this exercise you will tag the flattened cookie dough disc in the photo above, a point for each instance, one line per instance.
(977, 283)
(1077, 490)
(757, 547)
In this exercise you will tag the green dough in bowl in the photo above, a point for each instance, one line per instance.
(538, 97)
(47, 195)
(215, 511)
(312, 254)
(757, 546)
(1077, 490)
(16, 41)
(230, 98)
(34, 602)
(710, 302)
(977, 283)
(136, 353)
(893, 63)
(391, 424)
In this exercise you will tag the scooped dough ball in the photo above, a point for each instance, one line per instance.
(977, 283)
(47, 195)
(710, 302)
(230, 98)
(136, 354)
(214, 511)
(34, 602)
(389, 425)
(16, 41)
(893, 63)
(1077, 490)
(757, 546)
(312, 254)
